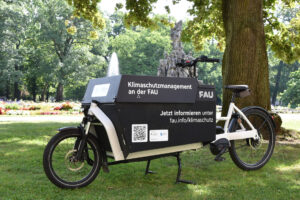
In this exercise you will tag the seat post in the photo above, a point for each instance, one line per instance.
(233, 97)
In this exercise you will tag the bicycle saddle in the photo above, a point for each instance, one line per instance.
(237, 88)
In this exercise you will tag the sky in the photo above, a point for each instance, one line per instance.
(179, 11)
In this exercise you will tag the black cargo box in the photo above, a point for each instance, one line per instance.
(155, 112)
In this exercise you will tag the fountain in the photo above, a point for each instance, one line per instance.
(113, 68)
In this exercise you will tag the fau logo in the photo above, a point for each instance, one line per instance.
(206, 94)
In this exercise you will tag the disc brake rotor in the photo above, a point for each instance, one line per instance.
(256, 144)
(71, 162)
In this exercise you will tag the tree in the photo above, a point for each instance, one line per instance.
(44, 46)
(280, 69)
(279, 76)
(139, 51)
(245, 58)
(241, 25)
(13, 24)
(291, 95)
(277, 82)
(71, 39)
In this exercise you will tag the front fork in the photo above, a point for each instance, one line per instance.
(82, 143)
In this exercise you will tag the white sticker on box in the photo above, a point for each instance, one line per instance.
(159, 135)
(100, 90)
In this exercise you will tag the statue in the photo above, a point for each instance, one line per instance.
(167, 66)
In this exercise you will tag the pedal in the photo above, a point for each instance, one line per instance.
(219, 159)
(105, 167)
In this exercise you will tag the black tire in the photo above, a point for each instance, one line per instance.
(79, 177)
(250, 154)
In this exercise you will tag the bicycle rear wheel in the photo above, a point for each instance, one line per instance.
(253, 154)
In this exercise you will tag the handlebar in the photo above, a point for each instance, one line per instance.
(206, 59)
(190, 63)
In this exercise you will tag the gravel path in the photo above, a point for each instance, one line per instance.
(295, 116)
(42, 118)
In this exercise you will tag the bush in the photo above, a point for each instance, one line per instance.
(66, 106)
(12, 106)
(34, 108)
(57, 108)
(43, 108)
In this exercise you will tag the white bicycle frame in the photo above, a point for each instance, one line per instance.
(240, 133)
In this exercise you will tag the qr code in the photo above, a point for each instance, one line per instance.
(139, 132)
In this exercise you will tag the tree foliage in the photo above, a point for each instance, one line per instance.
(13, 29)
(45, 43)
(140, 50)
(291, 94)
(213, 19)
(88, 10)
(207, 23)
(282, 25)
(279, 76)
(41, 53)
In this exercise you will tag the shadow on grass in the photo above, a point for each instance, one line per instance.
(22, 146)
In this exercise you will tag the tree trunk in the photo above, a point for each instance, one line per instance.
(17, 92)
(245, 58)
(277, 81)
(7, 90)
(45, 89)
(34, 87)
(47, 95)
(59, 92)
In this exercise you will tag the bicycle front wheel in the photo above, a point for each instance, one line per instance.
(253, 154)
(61, 165)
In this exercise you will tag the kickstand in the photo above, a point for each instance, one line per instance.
(147, 171)
(178, 180)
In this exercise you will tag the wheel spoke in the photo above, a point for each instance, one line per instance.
(241, 146)
(262, 124)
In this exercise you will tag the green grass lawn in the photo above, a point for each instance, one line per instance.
(22, 175)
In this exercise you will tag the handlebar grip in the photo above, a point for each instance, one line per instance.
(188, 63)
(206, 59)
(212, 60)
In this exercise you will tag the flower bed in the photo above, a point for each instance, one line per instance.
(43, 108)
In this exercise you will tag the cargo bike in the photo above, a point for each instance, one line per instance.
(140, 118)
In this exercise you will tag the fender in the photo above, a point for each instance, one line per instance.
(72, 128)
(232, 123)
(68, 128)
(262, 109)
